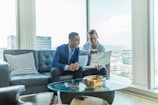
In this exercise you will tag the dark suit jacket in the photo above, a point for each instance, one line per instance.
(61, 57)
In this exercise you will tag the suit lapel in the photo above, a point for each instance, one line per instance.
(67, 53)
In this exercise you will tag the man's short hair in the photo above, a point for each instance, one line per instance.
(92, 31)
(72, 35)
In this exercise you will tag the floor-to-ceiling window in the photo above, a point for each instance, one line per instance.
(112, 20)
(7, 25)
(55, 19)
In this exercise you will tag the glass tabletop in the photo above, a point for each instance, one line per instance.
(78, 85)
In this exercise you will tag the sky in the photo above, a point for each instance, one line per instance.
(110, 23)
(111, 20)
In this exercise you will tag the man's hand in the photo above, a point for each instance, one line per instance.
(94, 51)
(99, 67)
(73, 66)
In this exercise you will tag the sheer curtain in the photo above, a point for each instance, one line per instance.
(26, 24)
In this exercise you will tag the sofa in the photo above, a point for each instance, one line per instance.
(34, 82)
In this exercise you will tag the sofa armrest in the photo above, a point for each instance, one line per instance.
(10, 95)
(83, 60)
(4, 74)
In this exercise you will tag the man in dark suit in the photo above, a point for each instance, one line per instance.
(66, 58)
(65, 61)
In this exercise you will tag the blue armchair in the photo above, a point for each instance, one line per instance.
(10, 95)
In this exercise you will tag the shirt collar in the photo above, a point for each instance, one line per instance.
(70, 48)
(96, 46)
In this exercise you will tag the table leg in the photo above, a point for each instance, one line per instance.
(108, 96)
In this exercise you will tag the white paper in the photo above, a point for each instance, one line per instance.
(101, 58)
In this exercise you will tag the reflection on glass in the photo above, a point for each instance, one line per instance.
(78, 85)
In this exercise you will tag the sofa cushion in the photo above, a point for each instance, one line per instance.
(31, 79)
(18, 52)
(45, 58)
(21, 64)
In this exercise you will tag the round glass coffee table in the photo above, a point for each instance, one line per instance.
(70, 88)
